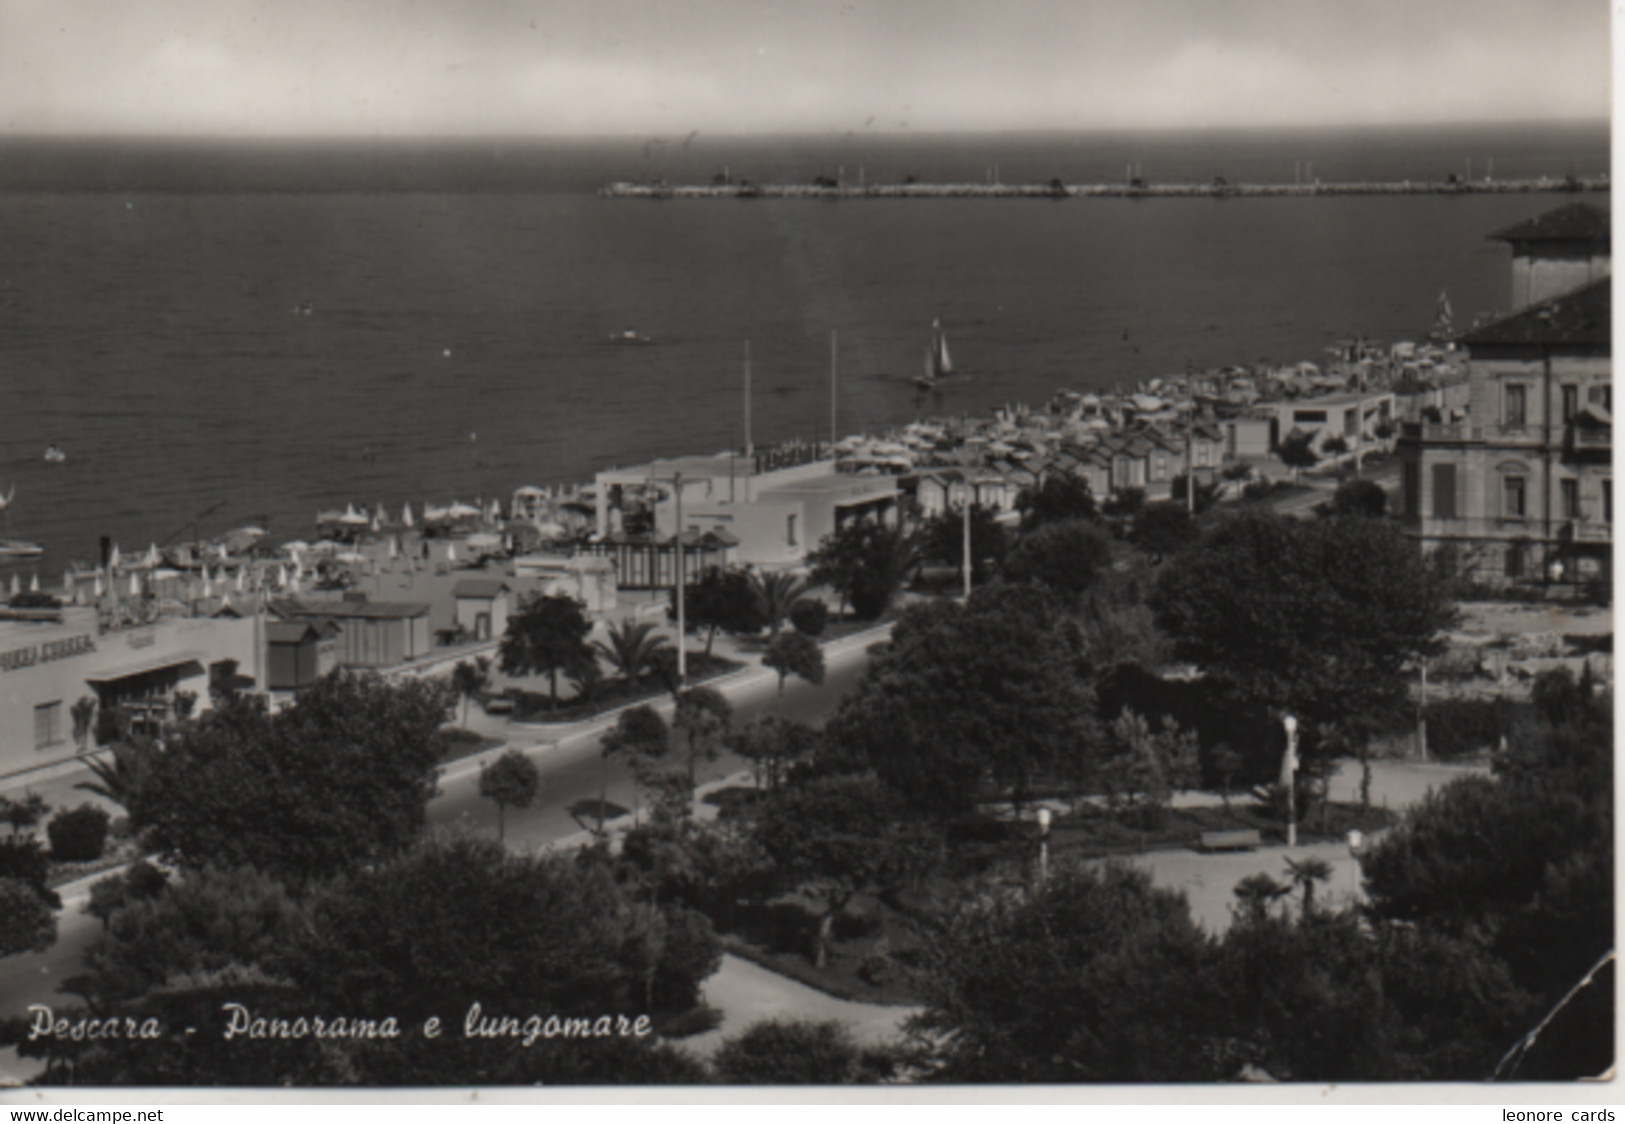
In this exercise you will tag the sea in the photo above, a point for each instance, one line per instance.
(232, 331)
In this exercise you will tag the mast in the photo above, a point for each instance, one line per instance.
(834, 354)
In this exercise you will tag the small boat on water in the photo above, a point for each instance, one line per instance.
(937, 360)
(629, 337)
(54, 454)
(16, 548)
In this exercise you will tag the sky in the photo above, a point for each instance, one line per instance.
(582, 67)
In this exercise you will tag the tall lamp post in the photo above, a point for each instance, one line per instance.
(1043, 844)
(1289, 773)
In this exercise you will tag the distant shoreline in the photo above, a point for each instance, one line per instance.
(1056, 190)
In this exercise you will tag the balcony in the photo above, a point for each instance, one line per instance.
(1438, 433)
(1582, 531)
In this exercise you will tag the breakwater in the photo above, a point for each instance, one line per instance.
(1057, 190)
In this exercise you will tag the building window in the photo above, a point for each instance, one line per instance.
(1571, 401)
(1162, 468)
(1513, 497)
(1309, 417)
(1351, 422)
(1444, 491)
(790, 530)
(1602, 395)
(1569, 493)
(1514, 561)
(1516, 414)
(48, 725)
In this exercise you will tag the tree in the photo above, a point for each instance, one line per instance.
(83, 713)
(942, 540)
(122, 778)
(866, 562)
(632, 649)
(1297, 451)
(774, 745)
(809, 615)
(1360, 497)
(641, 736)
(1059, 496)
(776, 591)
(1083, 979)
(339, 779)
(1319, 619)
(511, 781)
(1206, 494)
(1307, 873)
(723, 600)
(1163, 529)
(1144, 768)
(548, 635)
(703, 716)
(26, 923)
(784, 1052)
(468, 679)
(795, 653)
(989, 690)
(1066, 556)
(835, 838)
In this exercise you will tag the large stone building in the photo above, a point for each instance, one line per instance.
(1521, 482)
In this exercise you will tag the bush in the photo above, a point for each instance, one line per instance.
(78, 836)
(141, 882)
(809, 616)
(1458, 727)
(26, 924)
(25, 860)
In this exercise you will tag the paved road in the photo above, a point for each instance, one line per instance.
(572, 771)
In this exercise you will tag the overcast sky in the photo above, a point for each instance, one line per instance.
(405, 67)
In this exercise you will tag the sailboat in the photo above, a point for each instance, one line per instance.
(937, 360)
(15, 548)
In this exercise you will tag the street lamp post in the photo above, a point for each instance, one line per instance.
(1289, 772)
(1043, 845)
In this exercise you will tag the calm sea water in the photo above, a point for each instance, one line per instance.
(463, 296)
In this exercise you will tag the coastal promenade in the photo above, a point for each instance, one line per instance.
(1058, 190)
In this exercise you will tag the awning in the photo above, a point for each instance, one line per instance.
(148, 666)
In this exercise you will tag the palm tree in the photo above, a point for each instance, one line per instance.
(122, 777)
(775, 593)
(632, 650)
(1305, 874)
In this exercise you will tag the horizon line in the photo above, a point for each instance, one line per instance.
(1605, 122)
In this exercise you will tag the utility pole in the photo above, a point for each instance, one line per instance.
(682, 623)
(1190, 470)
(966, 565)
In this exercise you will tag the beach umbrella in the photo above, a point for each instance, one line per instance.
(352, 517)
(281, 574)
(406, 516)
(208, 586)
(153, 557)
(293, 583)
(484, 540)
(451, 552)
(378, 520)
(135, 585)
(240, 579)
(33, 584)
(15, 587)
(495, 514)
(394, 547)
(99, 589)
(460, 510)
(113, 559)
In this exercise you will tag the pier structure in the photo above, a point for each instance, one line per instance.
(1055, 189)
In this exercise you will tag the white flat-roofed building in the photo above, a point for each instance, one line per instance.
(52, 658)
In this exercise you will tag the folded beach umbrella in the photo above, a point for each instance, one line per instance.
(15, 587)
(406, 516)
(33, 584)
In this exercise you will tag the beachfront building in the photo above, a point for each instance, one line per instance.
(50, 658)
(481, 608)
(297, 653)
(1521, 484)
(1353, 416)
(768, 510)
(373, 635)
(587, 578)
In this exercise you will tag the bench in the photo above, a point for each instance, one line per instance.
(1230, 840)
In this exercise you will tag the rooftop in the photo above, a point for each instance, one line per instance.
(1578, 222)
(351, 610)
(1578, 319)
